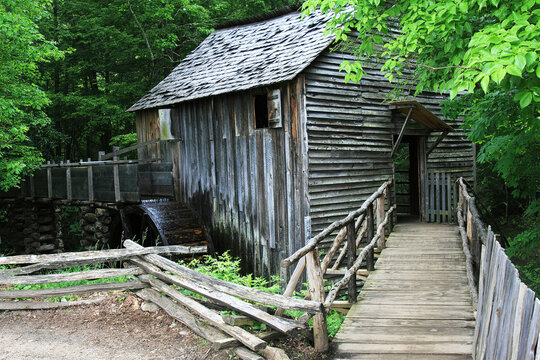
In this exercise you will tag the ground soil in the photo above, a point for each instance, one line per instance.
(114, 329)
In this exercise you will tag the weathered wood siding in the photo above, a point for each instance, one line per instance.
(147, 125)
(350, 131)
(246, 184)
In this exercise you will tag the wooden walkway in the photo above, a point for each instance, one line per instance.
(416, 304)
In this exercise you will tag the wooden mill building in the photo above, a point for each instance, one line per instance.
(272, 145)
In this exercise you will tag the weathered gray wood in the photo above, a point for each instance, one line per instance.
(99, 255)
(351, 256)
(380, 218)
(90, 183)
(68, 183)
(316, 289)
(402, 131)
(75, 276)
(246, 354)
(359, 238)
(216, 337)
(244, 292)
(78, 289)
(293, 281)
(352, 270)
(104, 256)
(370, 260)
(49, 182)
(246, 338)
(280, 324)
(44, 305)
(340, 237)
(334, 226)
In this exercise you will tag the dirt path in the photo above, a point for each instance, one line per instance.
(111, 330)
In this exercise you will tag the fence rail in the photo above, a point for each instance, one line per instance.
(356, 228)
(508, 315)
(158, 280)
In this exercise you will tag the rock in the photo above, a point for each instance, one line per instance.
(90, 217)
(46, 237)
(99, 235)
(89, 228)
(46, 247)
(45, 219)
(101, 212)
(46, 228)
(149, 307)
(106, 220)
(85, 209)
(102, 228)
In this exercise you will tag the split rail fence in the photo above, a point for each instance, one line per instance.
(508, 313)
(161, 281)
(356, 238)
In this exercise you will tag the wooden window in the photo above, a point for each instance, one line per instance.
(268, 109)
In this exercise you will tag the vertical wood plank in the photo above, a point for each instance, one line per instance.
(69, 192)
(116, 175)
(49, 180)
(351, 257)
(437, 199)
(444, 210)
(449, 198)
(316, 288)
(432, 197)
(370, 260)
(380, 218)
(90, 174)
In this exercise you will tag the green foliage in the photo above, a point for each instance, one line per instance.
(70, 216)
(334, 319)
(22, 100)
(226, 267)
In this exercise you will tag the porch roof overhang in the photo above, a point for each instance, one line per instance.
(421, 115)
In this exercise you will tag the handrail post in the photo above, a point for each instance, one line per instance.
(49, 181)
(90, 174)
(116, 176)
(316, 288)
(380, 217)
(370, 259)
(69, 192)
(100, 155)
(351, 256)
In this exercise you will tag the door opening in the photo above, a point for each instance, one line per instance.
(407, 167)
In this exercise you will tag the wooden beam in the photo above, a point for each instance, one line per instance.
(316, 288)
(43, 305)
(246, 338)
(79, 289)
(284, 325)
(243, 292)
(351, 256)
(90, 173)
(402, 132)
(293, 281)
(437, 142)
(75, 276)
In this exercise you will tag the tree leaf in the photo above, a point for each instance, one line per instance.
(525, 100)
(520, 61)
(498, 75)
(485, 83)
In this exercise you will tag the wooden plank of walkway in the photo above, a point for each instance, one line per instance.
(416, 304)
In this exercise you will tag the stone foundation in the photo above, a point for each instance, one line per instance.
(36, 227)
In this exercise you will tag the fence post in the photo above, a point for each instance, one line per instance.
(380, 218)
(116, 175)
(69, 192)
(370, 260)
(351, 257)
(100, 155)
(316, 288)
(49, 180)
(90, 174)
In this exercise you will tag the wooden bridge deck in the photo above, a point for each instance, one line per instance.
(416, 304)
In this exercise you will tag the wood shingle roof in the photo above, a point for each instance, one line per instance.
(241, 58)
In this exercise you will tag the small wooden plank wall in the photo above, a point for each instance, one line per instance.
(245, 183)
(441, 197)
(508, 318)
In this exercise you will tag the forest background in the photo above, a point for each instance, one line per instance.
(70, 68)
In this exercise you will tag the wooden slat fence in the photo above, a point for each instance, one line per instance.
(365, 226)
(508, 313)
(440, 197)
(104, 180)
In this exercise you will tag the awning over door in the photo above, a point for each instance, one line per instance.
(412, 109)
(421, 115)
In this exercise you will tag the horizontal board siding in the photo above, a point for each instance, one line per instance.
(350, 129)
(244, 183)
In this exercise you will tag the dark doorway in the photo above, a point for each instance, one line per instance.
(407, 163)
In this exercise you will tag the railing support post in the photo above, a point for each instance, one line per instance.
(69, 191)
(370, 259)
(316, 288)
(116, 176)
(380, 217)
(351, 257)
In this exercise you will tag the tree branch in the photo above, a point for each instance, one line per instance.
(142, 31)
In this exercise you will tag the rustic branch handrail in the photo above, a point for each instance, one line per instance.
(474, 211)
(314, 241)
(468, 257)
(353, 269)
